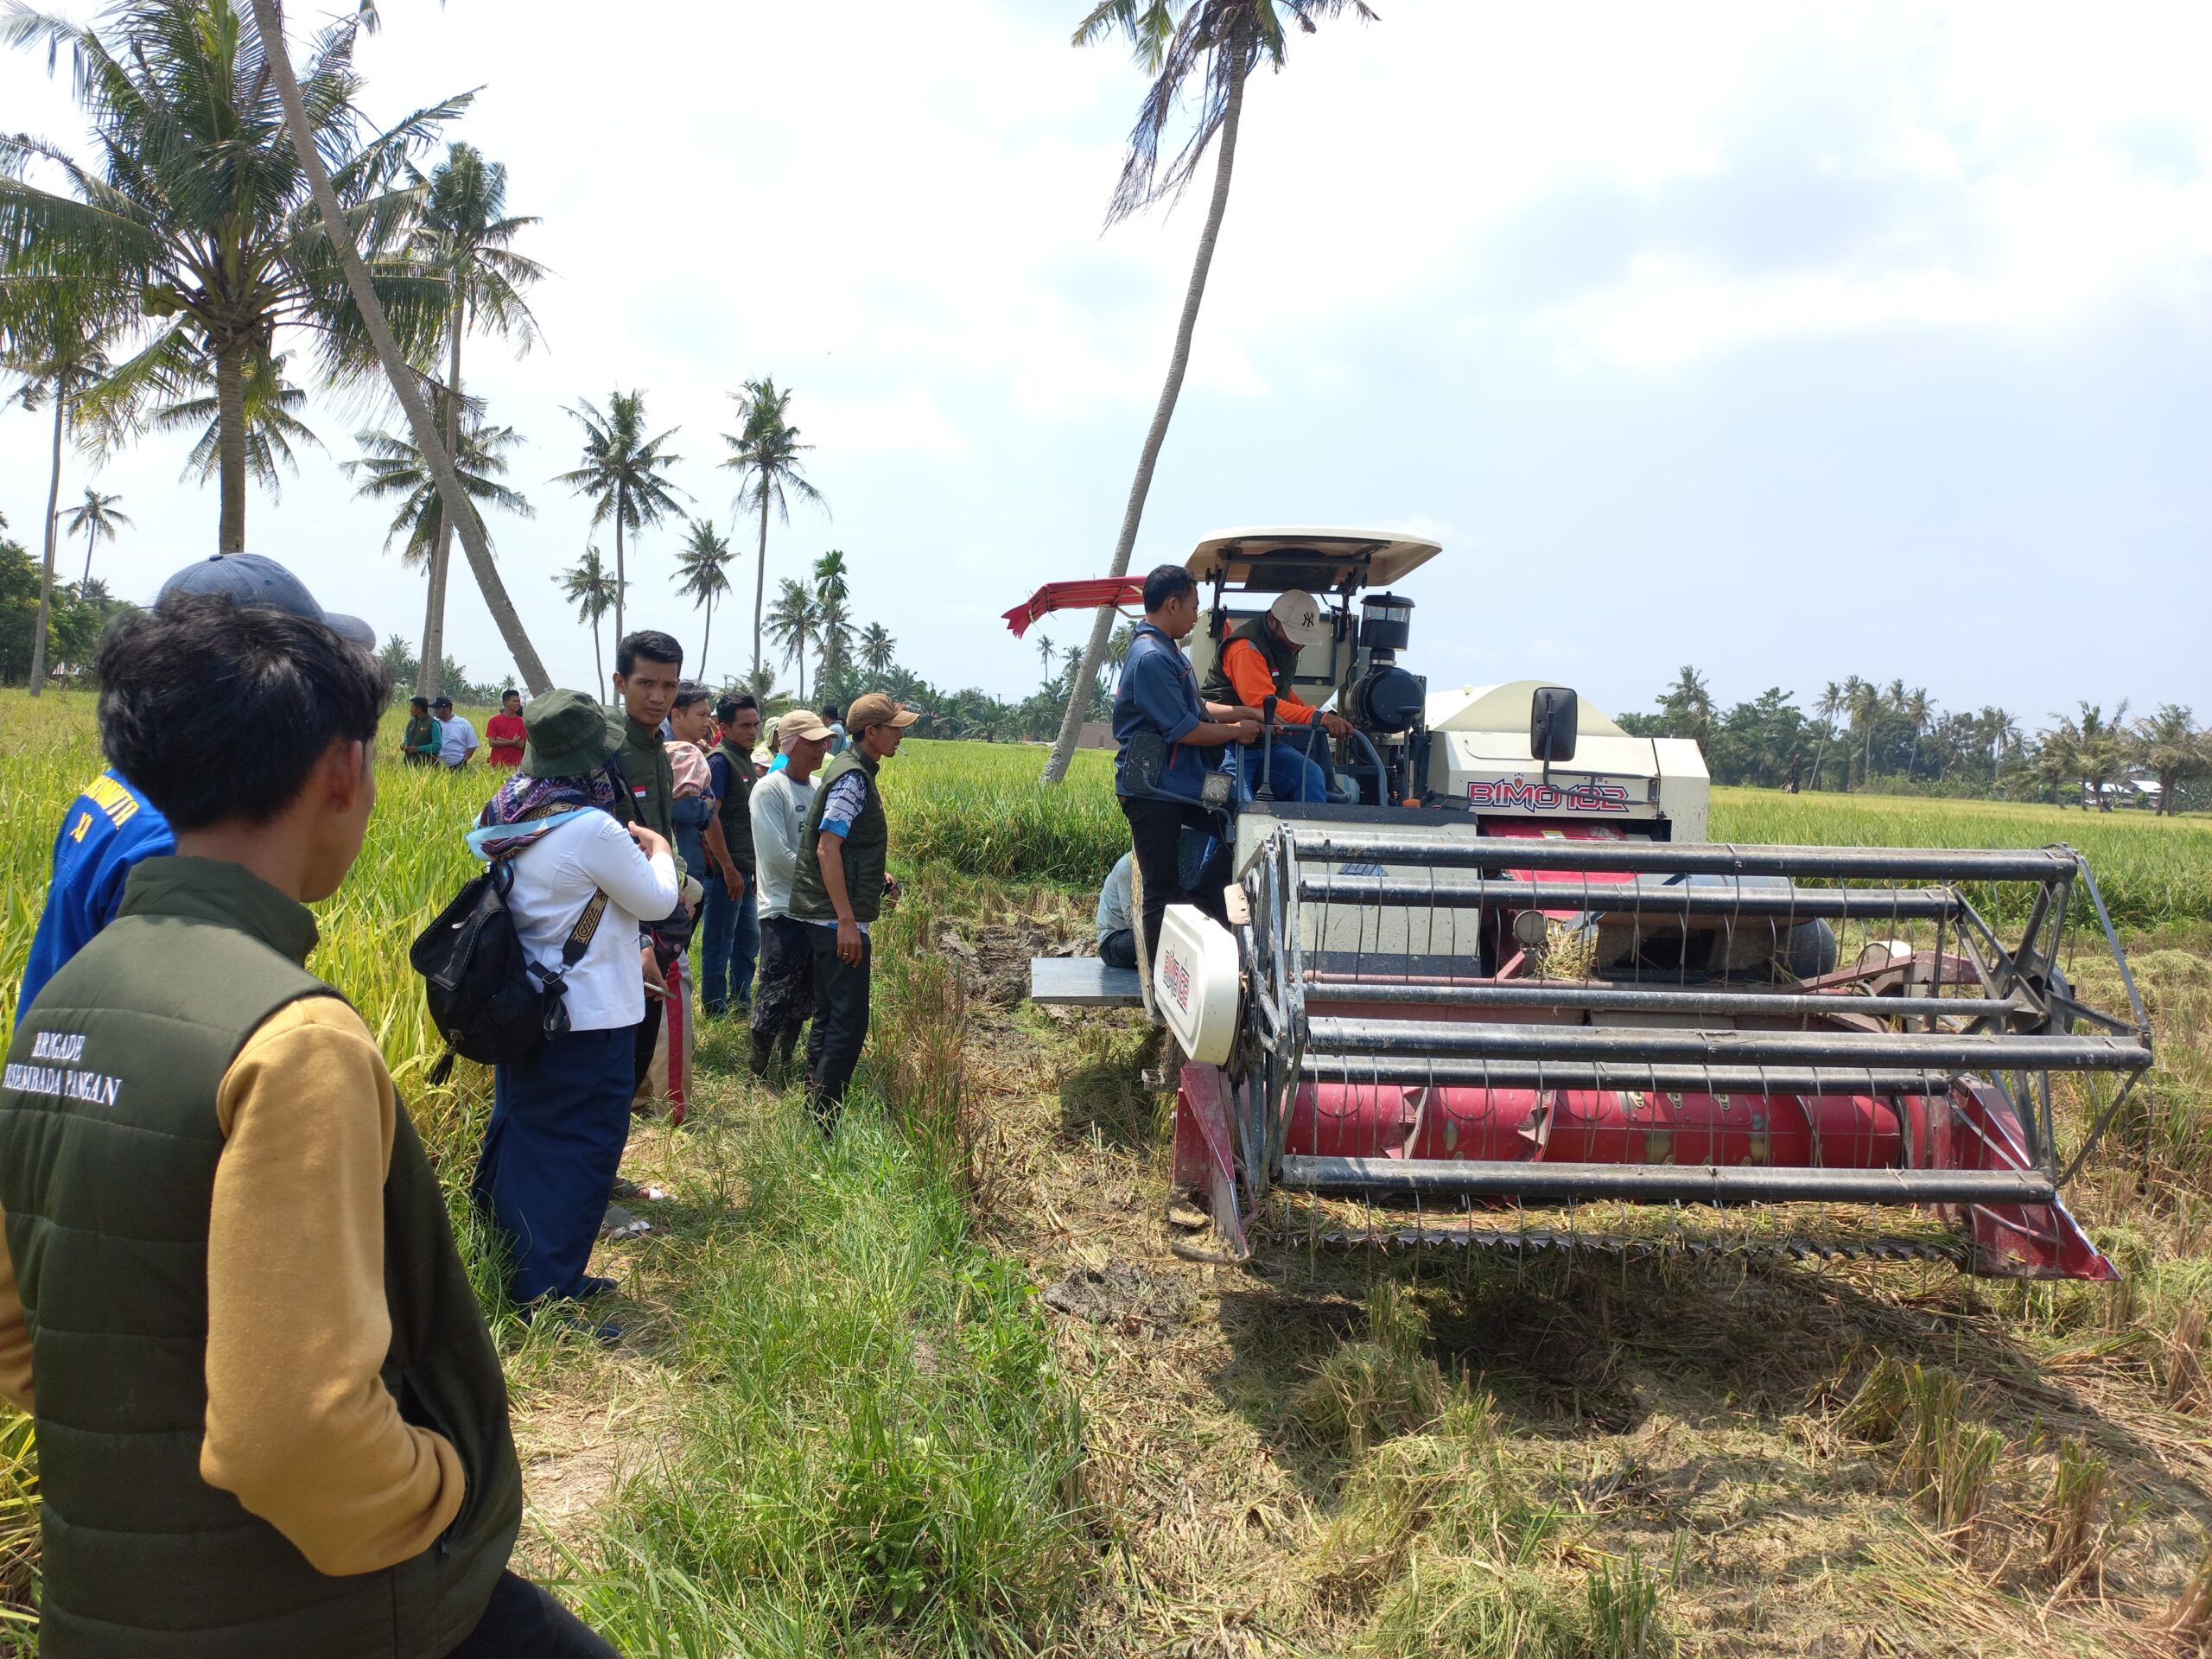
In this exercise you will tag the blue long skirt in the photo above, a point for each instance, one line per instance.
(559, 1121)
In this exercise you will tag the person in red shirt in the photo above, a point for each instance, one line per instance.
(503, 731)
(1256, 664)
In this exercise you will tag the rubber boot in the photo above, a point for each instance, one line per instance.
(785, 1045)
(824, 1109)
(762, 1044)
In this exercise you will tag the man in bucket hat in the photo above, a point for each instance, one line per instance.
(839, 889)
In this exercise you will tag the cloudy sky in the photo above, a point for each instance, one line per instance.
(1787, 341)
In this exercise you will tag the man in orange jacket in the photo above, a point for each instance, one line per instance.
(1256, 663)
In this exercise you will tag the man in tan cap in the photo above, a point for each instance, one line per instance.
(783, 989)
(838, 889)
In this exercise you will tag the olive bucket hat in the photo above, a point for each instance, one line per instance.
(567, 734)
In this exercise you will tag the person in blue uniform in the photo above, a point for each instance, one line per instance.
(111, 826)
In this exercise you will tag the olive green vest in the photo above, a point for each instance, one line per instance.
(109, 1141)
(1279, 655)
(648, 794)
(737, 807)
(867, 848)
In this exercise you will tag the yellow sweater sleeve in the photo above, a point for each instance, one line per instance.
(15, 1335)
(299, 1425)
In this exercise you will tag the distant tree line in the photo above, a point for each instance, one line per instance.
(1894, 738)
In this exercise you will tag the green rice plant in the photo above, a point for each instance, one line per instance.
(1624, 1606)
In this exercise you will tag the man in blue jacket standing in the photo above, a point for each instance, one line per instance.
(1169, 739)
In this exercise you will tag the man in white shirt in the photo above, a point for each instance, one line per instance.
(457, 738)
(782, 987)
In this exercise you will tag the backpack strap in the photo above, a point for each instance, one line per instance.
(580, 936)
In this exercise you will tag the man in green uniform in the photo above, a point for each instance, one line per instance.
(729, 941)
(420, 743)
(269, 1419)
(838, 888)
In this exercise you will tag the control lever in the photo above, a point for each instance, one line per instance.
(1266, 792)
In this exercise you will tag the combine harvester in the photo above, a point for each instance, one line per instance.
(1503, 970)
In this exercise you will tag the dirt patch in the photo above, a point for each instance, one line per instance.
(575, 1454)
(1130, 1298)
(991, 951)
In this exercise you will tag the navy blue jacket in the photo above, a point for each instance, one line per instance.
(1159, 693)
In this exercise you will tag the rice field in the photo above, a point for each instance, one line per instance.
(860, 1432)
(979, 807)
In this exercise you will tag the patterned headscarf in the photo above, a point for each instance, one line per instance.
(535, 805)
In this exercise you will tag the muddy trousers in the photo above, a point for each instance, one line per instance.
(840, 1028)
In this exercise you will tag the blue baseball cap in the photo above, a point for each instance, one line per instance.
(253, 579)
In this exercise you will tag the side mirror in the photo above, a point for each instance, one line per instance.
(1553, 715)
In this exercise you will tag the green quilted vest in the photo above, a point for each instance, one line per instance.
(736, 808)
(648, 779)
(1279, 655)
(109, 1139)
(867, 848)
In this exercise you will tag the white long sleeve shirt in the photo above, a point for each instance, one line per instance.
(554, 879)
(780, 808)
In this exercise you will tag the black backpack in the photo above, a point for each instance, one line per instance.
(488, 1000)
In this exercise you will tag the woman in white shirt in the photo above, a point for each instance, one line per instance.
(560, 1118)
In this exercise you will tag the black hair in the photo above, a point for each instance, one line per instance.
(218, 711)
(829, 715)
(510, 692)
(650, 643)
(688, 692)
(1167, 581)
(418, 703)
(733, 704)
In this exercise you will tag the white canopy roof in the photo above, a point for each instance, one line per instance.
(1272, 559)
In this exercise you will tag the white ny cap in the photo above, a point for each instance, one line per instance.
(1302, 617)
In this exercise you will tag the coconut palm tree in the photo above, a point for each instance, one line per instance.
(830, 577)
(764, 453)
(2095, 746)
(2000, 729)
(791, 622)
(2170, 745)
(467, 236)
(391, 468)
(878, 649)
(1827, 708)
(625, 473)
(385, 348)
(52, 336)
(590, 587)
(97, 521)
(1917, 710)
(272, 427)
(1687, 704)
(1217, 44)
(833, 635)
(1864, 698)
(196, 219)
(702, 576)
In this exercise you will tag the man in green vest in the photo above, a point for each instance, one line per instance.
(270, 1420)
(838, 888)
(648, 667)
